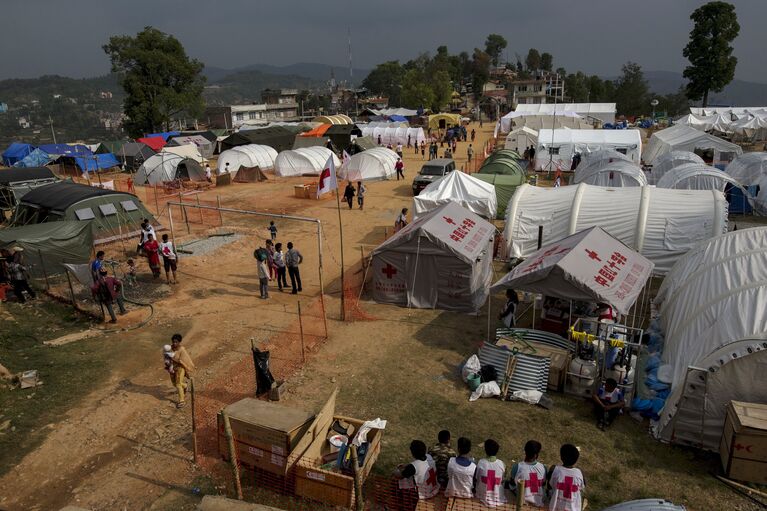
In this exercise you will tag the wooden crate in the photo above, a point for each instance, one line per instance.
(560, 359)
(334, 488)
(265, 434)
(743, 447)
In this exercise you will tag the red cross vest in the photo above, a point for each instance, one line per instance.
(567, 484)
(460, 480)
(425, 477)
(534, 477)
(488, 482)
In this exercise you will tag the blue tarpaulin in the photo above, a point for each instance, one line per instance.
(97, 162)
(66, 150)
(36, 158)
(165, 135)
(397, 118)
(16, 152)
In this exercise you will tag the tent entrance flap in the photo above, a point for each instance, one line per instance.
(422, 292)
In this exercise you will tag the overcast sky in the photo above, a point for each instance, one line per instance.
(65, 36)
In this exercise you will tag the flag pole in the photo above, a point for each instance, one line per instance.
(341, 233)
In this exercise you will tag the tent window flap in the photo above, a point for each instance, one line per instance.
(85, 214)
(108, 209)
(128, 205)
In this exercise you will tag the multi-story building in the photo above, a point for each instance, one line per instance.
(277, 105)
(548, 88)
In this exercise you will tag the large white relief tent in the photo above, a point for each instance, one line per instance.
(394, 135)
(371, 165)
(661, 224)
(713, 314)
(668, 161)
(307, 160)
(619, 173)
(556, 148)
(246, 156)
(685, 138)
(473, 194)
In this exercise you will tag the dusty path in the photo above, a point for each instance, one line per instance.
(126, 446)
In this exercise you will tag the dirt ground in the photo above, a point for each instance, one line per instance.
(124, 445)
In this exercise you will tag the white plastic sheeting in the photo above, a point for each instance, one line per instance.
(521, 138)
(668, 161)
(713, 312)
(516, 120)
(394, 135)
(557, 147)
(619, 173)
(371, 165)
(748, 168)
(696, 176)
(307, 160)
(186, 151)
(661, 224)
(685, 138)
(473, 194)
(605, 112)
(246, 156)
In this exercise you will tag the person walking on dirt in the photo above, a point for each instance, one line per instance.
(263, 279)
(292, 259)
(169, 258)
(18, 273)
(470, 152)
(349, 194)
(152, 251)
(279, 262)
(423, 149)
(400, 168)
(361, 191)
(107, 290)
(182, 368)
(97, 264)
(473, 134)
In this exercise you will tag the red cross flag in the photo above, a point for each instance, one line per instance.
(328, 179)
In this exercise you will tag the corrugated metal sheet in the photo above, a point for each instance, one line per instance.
(538, 336)
(530, 373)
(646, 505)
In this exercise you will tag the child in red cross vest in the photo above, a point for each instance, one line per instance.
(566, 483)
(532, 473)
(488, 480)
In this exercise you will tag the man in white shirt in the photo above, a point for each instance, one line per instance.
(169, 258)
(460, 472)
(566, 482)
(532, 473)
(421, 473)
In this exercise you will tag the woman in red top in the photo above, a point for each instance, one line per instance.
(152, 251)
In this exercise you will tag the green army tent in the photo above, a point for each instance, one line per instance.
(50, 245)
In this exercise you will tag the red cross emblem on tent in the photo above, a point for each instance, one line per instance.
(389, 271)
(533, 482)
(431, 477)
(567, 487)
(325, 174)
(593, 255)
(491, 481)
(449, 220)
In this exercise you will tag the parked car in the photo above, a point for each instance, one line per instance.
(430, 172)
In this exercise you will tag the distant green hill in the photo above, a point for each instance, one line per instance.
(246, 86)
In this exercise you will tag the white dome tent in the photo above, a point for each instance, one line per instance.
(307, 160)
(246, 156)
(685, 138)
(713, 313)
(394, 135)
(617, 174)
(748, 168)
(668, 161)
(659, 223)
(520, 139)
(165, 166)
(696, 176)
(601, 158)
(371, 165)
(473, 194)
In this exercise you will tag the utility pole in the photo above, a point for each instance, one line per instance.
(52, 132)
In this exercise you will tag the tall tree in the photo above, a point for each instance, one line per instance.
(416, 92)
(712, 65)
(494, 46)
(596, 88)
(533, 60)
(480, 71)
(386, 79)
(547, 61)
(577, 87)
(631, 91)
(159, 79)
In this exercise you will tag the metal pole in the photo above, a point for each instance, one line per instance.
(220, 214)
(301, 329)
(341, 235)
(183, 212)
(194, 423)
(71, 290)
(172, 233)
(45, 273)
(322, 285)
(200, 210)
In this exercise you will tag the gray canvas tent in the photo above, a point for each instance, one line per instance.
(133, 154)
(57, 243)
(443, 260)
(111, 214)
(16, 182)
(205, 146)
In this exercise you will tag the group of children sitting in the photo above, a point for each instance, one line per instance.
(441, 468)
